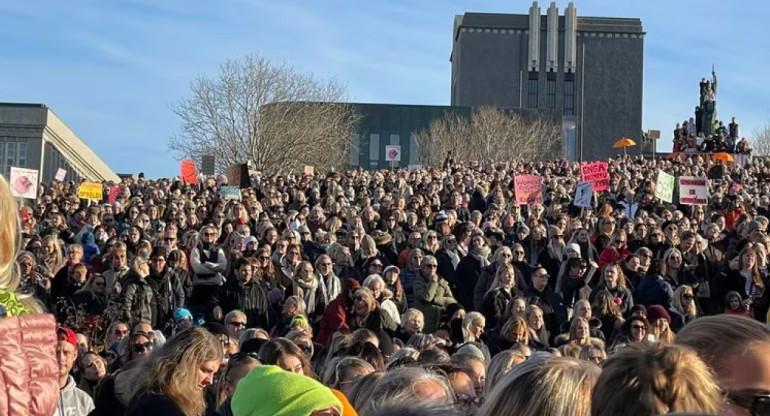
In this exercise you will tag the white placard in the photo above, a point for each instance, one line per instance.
(24, 183)
(583, 194)
(393, 153)
(693, 190)
(60, 174)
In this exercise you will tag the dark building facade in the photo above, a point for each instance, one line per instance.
(587, 69)
(393, 124)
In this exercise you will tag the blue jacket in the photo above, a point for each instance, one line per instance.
(654, 290)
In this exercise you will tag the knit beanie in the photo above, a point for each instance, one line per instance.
(269, 390)
(655, 312)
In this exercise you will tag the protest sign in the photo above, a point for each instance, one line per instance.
(584, 195)
(90, 190)
(308, 170)
(238, 175)
(528, 189)
(230, 192)
(114, 194)
(596, 173)
(393, 153)
(664, 187)
(24, 183)
(60, 174)
(189, 172)
(693, 190)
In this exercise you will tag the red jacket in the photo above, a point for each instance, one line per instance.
(30, 372)
(334, 317)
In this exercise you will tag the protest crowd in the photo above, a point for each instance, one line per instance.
(629, 286)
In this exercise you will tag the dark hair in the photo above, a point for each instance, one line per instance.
(278, 347)
(367, 352)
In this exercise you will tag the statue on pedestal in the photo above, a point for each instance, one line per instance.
(708, 104)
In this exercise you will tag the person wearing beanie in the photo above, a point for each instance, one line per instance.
(660, 320)
(183, 318)
(269, 390)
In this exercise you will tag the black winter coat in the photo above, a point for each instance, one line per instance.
(249, 297)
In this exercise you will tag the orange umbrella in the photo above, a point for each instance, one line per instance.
(725, 157)
(624, 143)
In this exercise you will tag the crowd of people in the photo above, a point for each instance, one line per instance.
(396, 292)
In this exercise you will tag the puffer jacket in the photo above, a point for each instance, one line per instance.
(27, 348)
(139, 301)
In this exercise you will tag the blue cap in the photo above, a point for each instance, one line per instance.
(181, 313)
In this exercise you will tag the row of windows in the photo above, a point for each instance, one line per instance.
(12, 154)
(550, 94)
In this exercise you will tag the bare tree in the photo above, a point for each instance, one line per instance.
(490, 134)
(266, 113)
(761, 141)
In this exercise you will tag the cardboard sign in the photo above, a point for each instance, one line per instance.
(230, 192)
(114, 193)
(24, 183)
(208, 164)
(596, 173)
(584, 195)
(60, 174)
(308, 171)
(693, 190)
(90, 190)
(528, 189)
(664, 187)
(393, 153)
(238, 175)
(189, 172)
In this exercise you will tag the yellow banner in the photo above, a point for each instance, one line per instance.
(90, 190)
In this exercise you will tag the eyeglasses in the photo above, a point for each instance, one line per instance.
(264, 258)
(688, 296)
(210, 234)
(431, 266)
(138, 348)
(119, 332)
(639, 327)
(99, 284)
(757, 403)
(377, 265)
(238, 324)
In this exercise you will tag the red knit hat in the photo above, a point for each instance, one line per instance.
(655, 312)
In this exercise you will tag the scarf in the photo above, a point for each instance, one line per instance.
(310, 288)
(333, 285)
(481, 254)
(454, 257)
(556, 252)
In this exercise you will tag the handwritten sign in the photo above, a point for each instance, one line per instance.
(596, 173)
(90, 190)
(230, 192)
(24, 183)
(664, 187)
(60, 174)
(693, 190)
(528, 189)
(583, 195)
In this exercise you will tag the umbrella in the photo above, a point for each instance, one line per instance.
(725, 157)
(624, 143)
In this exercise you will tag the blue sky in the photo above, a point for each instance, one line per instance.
(111, 69)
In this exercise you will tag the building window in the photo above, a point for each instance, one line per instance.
(569, 98)
(22, 155)
(10, 154)
(550, 93)
(532, 91)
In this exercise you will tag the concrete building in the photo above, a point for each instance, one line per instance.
(387, 124)
(31, 136)
(587, 69)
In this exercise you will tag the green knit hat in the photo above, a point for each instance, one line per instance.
(269, 390)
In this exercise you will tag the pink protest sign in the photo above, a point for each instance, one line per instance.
(528, 189)
(596, 173)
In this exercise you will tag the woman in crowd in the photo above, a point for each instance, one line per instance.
(413, 322)
(287, 355)
(238, 366)
(606, 310)
(384, 297)
(308, 286)
(614, 283)
(91, 298)
(173, 378)
(431, 293)
(538, 335)
(502, 290)
(683, 309)
(660, 324)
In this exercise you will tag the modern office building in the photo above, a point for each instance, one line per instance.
(587, 69)
(31, 136)
(393, 124)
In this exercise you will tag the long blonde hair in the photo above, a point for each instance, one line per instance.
(10, 235)
(690, 310)
(555, 386)
(172, 370)
(653, 379)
